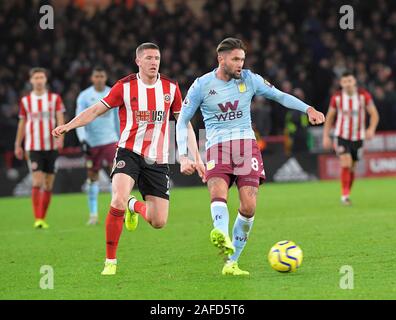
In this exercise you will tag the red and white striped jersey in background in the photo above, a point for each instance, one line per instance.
(40, 115)
(144, 114)
(351, 114)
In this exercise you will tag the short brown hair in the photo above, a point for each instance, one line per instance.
(230, 44)
(347, 73)
(146, 45)
(37, 70)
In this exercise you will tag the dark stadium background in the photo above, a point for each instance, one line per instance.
(297, 45)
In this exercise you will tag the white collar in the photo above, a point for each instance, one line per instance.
(147, 85)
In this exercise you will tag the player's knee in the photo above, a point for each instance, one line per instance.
(247, 209)
(38, 184)
(158, 224)
(218, 192)
(119, 201)
(159, 221)
(47, 186)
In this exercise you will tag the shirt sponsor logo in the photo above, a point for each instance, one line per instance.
(229, 105)
(152, 116)
(232, 114)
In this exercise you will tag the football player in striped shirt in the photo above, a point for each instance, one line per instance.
(348, 107)
(144, 101)
(39, 112)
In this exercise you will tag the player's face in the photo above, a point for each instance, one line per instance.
(232, 62)
(348, 83)
(149, 62)
(38, 81)
(99, 79)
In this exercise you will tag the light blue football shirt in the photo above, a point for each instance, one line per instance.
(105, 129)
(225, 106)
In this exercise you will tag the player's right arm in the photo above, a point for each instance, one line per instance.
(330, 117)
(112, 100)
(82, 119)
(190, 105)
(18, 150)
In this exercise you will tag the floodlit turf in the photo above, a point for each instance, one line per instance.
(179, 261)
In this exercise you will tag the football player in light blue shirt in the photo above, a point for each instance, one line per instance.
(98, 138)
(224, 97)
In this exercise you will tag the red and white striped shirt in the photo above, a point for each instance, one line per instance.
(40, 115)
(144, 114)
(351, 114)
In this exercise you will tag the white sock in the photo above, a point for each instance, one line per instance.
(131, 204)
(112, 261)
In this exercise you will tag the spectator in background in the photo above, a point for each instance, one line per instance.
(314, 39)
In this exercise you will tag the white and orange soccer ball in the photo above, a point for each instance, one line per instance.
(285, 256)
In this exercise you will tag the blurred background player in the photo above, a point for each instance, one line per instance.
(224, 96)
(348, 106)
(40, 112)
(145, 101)
(98, 138)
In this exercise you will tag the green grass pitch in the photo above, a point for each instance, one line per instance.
(179, 262)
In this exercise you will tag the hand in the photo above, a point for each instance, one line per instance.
(370, 134)
(327, 143)
(59, 142)
(58, 131)
(18, 152)
(187, 166)
(314, 116)
(200, 167)
(85, 147)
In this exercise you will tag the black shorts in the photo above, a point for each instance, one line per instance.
(354, 148)
(42, 161)
(151, 179)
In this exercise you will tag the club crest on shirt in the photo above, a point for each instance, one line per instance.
(167, 97)
(242, 87)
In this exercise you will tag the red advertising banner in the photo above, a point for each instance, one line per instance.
(375, 164)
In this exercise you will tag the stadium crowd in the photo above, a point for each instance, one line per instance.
(297, 45)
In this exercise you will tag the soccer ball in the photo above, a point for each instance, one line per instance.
(285, 256)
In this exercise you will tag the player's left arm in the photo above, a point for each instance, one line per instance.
(374, 119)
(264, 88)
(60, 119)
(112, 100)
